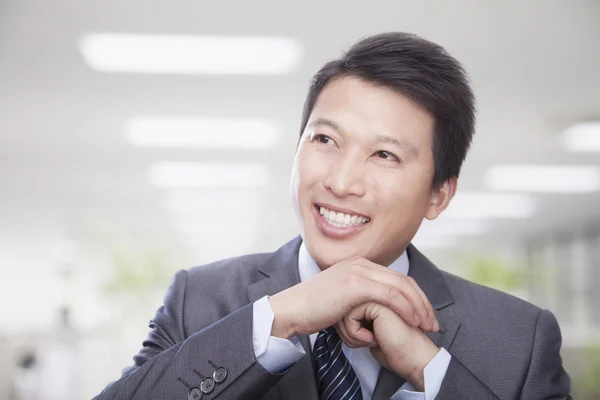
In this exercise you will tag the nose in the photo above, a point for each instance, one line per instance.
(346, 177)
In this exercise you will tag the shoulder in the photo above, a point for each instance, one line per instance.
(224, 281)
(209, 292)
(502, 335)
(482, 302)
(242, 267)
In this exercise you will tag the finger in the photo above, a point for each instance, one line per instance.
(431, 313)
(404, 285)
(369, 290)
(349, 329)
(406, 289)
(341, 331)
(347, 338)
(353, 325)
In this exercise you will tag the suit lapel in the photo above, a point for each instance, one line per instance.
(281, 272)
(431, 281)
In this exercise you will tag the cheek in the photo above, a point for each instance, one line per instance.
(400, 195)
(310, 170)
(300, 182)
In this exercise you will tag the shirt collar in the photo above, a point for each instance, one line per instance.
(308, 268)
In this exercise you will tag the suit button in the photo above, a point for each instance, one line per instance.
(220, 375)
(195, 394)
(207, 385)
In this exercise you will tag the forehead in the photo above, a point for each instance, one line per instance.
(366, 108)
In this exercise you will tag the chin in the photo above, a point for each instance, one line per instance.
(326, 262)
(327, 255)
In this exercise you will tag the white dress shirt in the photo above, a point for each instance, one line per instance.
(276, 354)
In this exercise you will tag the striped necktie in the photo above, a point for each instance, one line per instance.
(336, 379)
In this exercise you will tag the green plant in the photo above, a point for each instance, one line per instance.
(587, 384)
(138, 273)
(494, 272)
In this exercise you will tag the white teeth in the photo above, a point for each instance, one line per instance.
(341, 220)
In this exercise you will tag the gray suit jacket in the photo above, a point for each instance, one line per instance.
(501, 347)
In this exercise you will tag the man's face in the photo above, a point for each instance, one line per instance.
(363, 172)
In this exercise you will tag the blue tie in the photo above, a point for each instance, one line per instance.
(336, 379)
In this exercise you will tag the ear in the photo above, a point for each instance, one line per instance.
(440, 198)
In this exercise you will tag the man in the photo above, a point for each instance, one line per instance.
(351, 310)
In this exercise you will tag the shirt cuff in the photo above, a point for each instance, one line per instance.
(273, 353)
(433, 375)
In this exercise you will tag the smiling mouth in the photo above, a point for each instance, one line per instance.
(340, 219)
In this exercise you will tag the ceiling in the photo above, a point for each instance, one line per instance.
(68, 175)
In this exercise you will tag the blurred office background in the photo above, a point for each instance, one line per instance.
(141, 137)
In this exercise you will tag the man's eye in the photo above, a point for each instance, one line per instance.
(386, 155)
(320, 138)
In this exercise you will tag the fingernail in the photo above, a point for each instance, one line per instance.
(436, 325)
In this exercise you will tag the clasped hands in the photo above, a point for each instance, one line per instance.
(355, 295)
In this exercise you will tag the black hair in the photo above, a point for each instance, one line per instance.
(424, 72)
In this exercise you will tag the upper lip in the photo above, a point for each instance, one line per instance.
(339, 209)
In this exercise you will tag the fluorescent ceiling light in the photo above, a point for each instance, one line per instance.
(544, 178)
(192, 174)
(204, 204)
(206, 133)
(181, 54)
(584, 136)
(490, 205)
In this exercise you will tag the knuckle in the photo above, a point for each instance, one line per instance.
(351, 260)
(352, 279)
(402, 284)
(393, 294)
(358, 262)
(355, 267)
(401, 280)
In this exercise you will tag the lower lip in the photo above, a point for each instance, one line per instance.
(334, 232)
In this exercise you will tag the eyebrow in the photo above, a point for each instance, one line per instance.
(399, 143)
(326, 122)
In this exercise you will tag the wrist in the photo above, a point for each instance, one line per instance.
(423, 356)
(283, 327)
(417, 379)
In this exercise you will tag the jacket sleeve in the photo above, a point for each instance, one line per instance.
(546, 378)
(170, 366)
